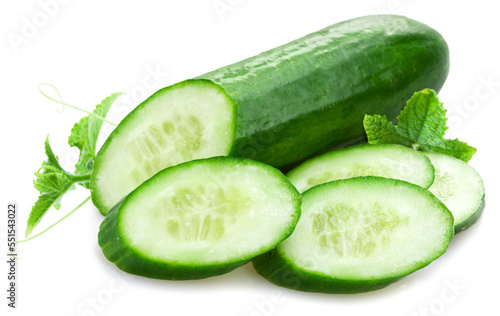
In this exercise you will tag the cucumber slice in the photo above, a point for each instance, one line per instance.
(459, 187)
(189, 120)
(199, 219)
(388, 161)
(359, 234)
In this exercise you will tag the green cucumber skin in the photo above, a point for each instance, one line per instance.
(311, 94)
(116, 250)
(130, 261)
(283, 273)
(473, 219)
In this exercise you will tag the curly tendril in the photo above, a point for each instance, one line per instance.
(64, 104)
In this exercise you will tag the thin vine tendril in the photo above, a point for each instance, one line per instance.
(51, 226)
(39, 173)
(64, 104)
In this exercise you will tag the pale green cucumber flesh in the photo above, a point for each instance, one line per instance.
(200, 218)
(359, 234)
(190, 120)
(459, 186)
(388, 161)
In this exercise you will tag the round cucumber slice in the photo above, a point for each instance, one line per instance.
(459, 187)
(199, 219)
(388, 161)
(176, 124)
(357, 235)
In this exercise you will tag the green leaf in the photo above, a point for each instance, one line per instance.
(452, 147)
(423, 119)
(38, 210)
(421, 125)
(52, 182)
(380, 131)
(84, 136)
(51, 176)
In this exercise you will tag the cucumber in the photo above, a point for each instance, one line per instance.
(279, 107)
(357, 235)
(388, 161)
(459, 187)
(200, 218)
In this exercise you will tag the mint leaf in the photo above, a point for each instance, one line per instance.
(52, 182)
(84, 136)
(458, 149)
(423, 119)
(380, 131)
(421, 125)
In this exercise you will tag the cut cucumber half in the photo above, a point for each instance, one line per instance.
(459, 187)
(388, 161)
(199, 219)
(187, 121)
(279, 107)
(357, 235)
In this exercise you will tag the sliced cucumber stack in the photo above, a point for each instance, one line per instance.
(360, 234)
(459, 187)
(388, 161)
(199, 219)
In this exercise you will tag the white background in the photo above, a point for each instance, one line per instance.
(90, 49)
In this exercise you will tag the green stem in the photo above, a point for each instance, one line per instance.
(74, 177)
(47, 229)
(66, 104)
(80, 177)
